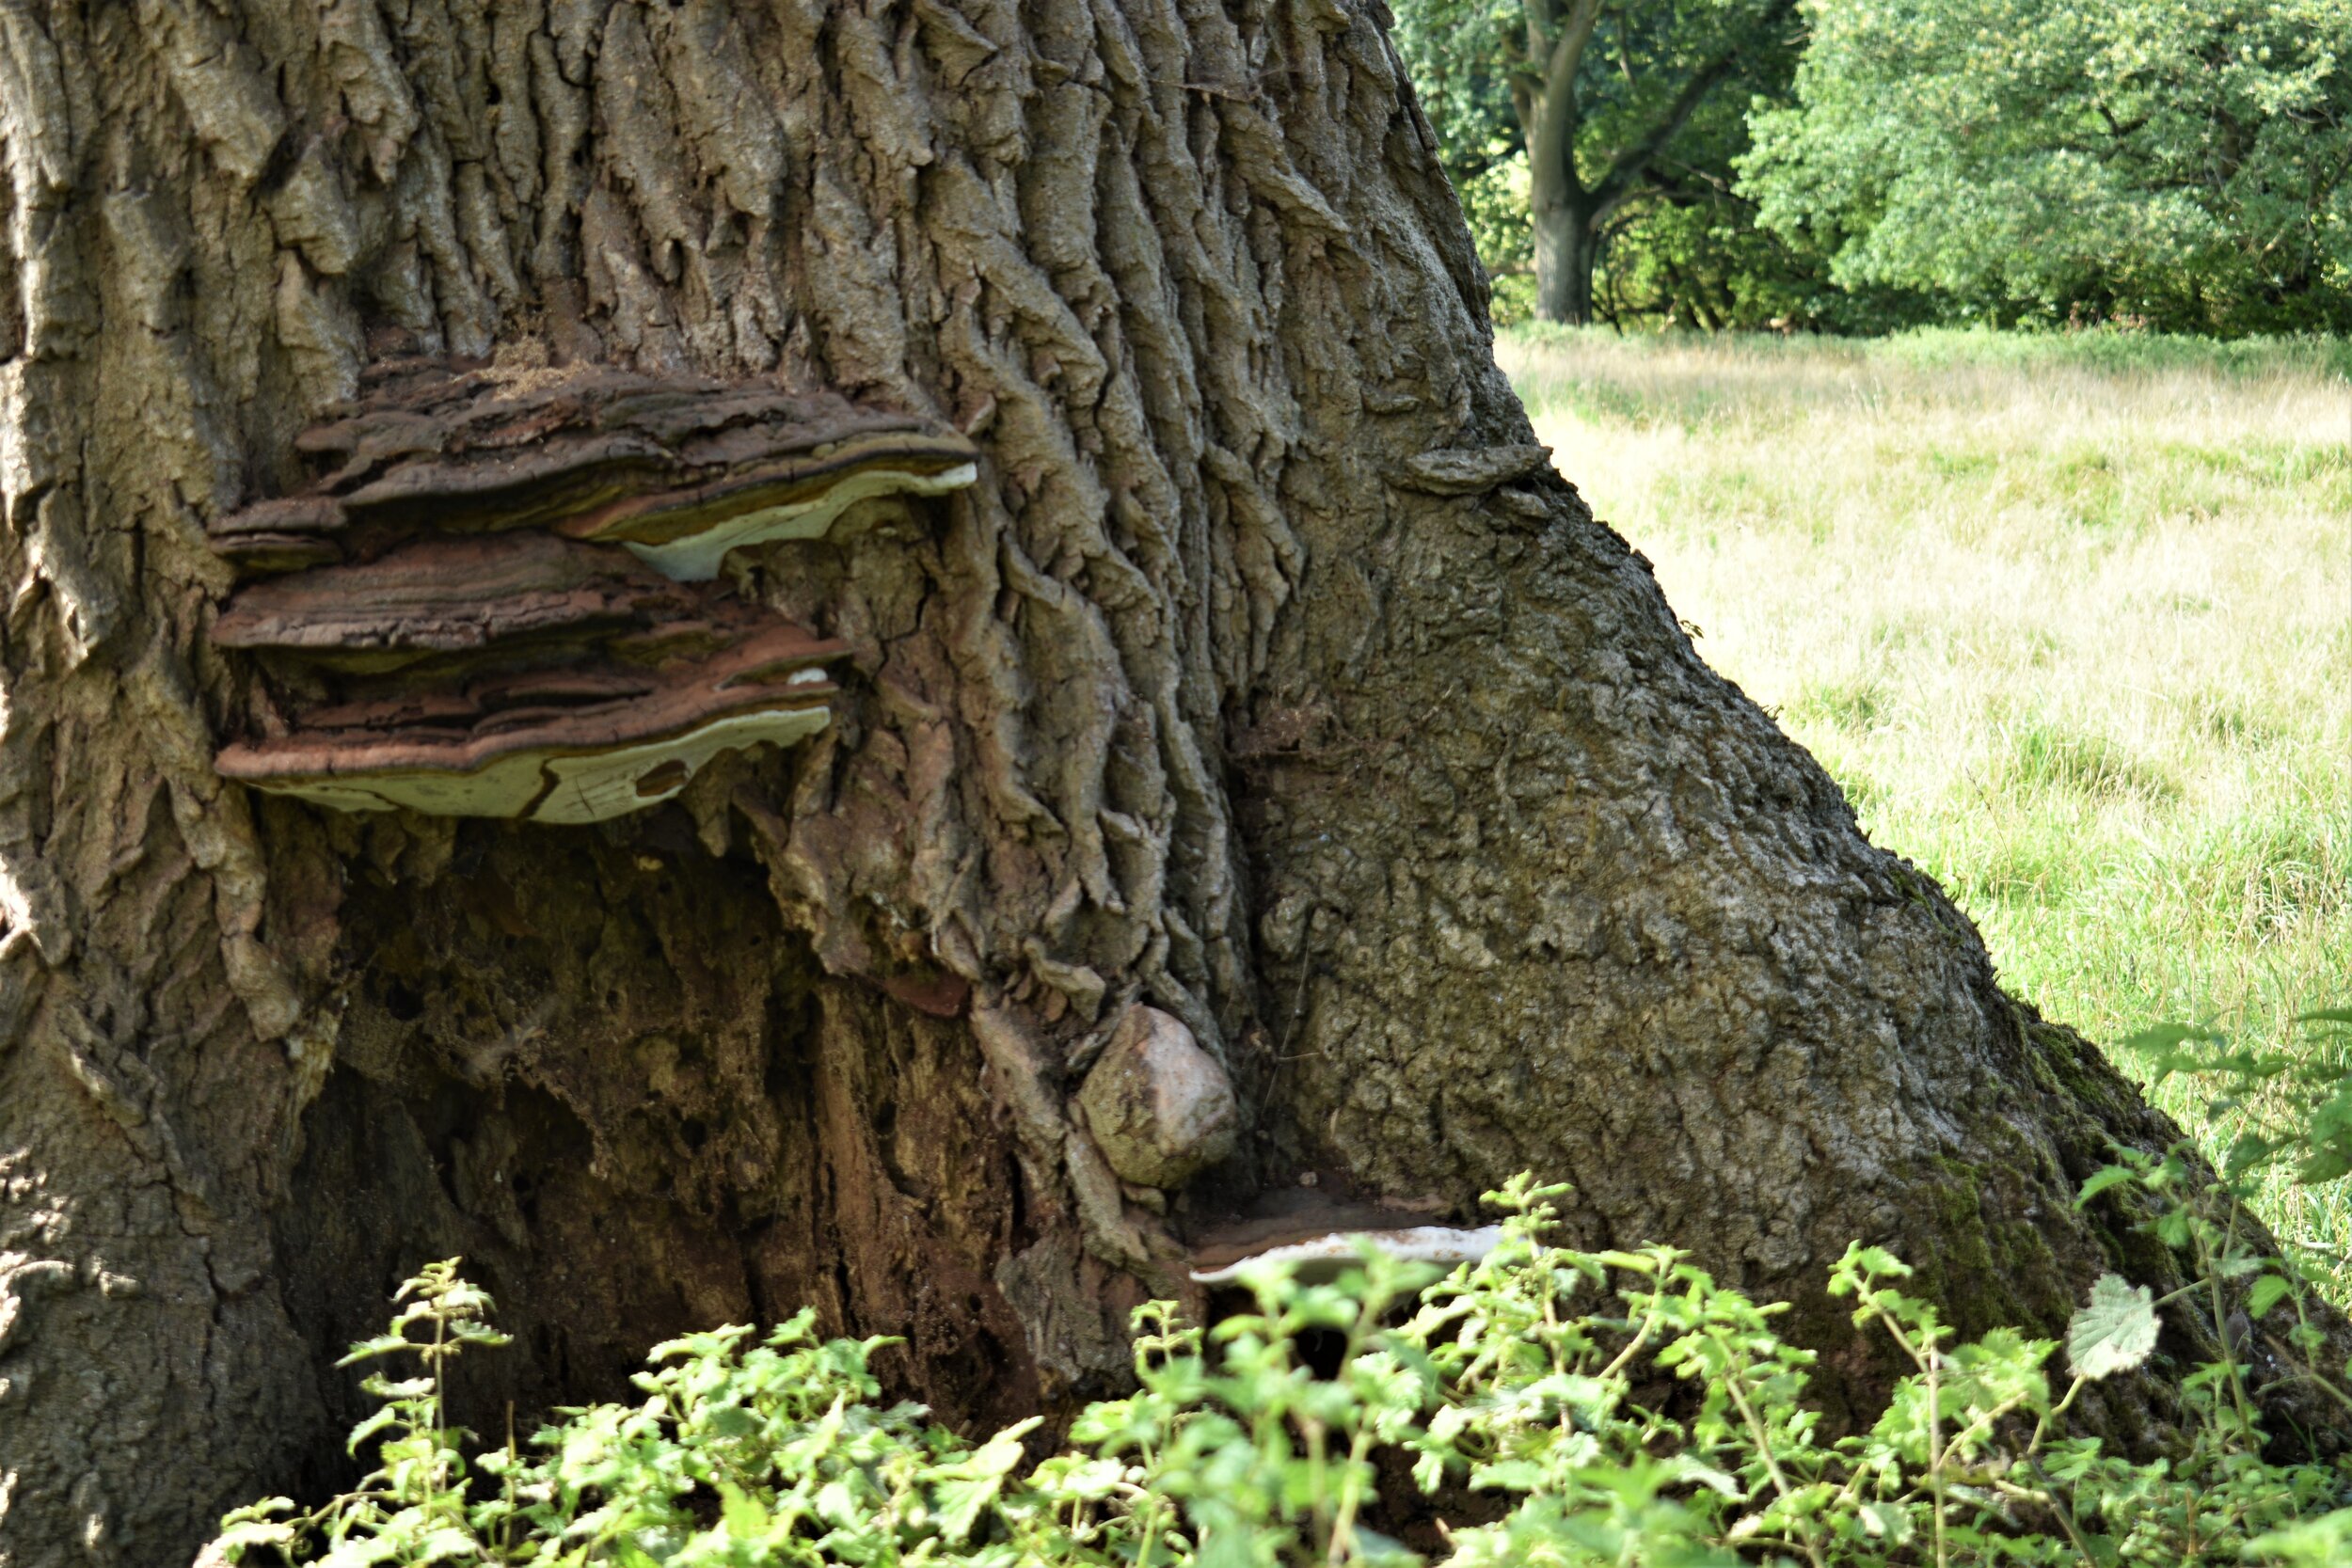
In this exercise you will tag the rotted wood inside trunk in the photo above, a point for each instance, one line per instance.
(608, 1077)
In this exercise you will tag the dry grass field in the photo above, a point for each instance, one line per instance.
(2068, 618)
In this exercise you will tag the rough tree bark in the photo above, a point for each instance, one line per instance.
(1266, 675)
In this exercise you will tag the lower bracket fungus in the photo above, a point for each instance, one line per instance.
(1318, 1259)
(500, 600)
(1319, 1245)
(562, 749)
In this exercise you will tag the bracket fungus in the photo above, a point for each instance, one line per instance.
(1321, 1241)
(497, 596)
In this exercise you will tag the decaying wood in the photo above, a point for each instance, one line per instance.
(1393, 777)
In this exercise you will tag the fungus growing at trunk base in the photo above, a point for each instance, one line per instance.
(1318, 1259)
(505, 584)
(1320, 1239)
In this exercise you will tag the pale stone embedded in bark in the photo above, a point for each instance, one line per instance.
(1161, 1109)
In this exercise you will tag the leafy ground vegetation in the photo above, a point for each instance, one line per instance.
(2067, 615)
(1542, 1406)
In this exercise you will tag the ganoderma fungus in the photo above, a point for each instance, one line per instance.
(502, 585)
(553, 746)
(679, 471)
(1318, 1255)
(451, 596)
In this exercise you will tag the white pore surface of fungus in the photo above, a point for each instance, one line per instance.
(1324, 1256)
(695, 556)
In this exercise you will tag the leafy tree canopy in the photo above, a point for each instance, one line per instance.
(2184, 162)
(1656, 96)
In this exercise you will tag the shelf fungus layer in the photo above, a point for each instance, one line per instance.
(450, 596)
(498, 590)
(678, 469)
(565, 745)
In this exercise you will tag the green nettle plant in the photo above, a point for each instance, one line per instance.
(1506, 1390)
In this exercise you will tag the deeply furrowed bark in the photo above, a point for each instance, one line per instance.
(1391, 775)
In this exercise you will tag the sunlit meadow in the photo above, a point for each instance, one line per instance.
(2069, 618)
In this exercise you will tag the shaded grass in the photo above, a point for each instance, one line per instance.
(2069, 617)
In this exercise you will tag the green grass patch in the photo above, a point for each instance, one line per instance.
(2054, 759)
(1848, 705)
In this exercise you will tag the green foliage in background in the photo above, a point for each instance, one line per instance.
(1460, 56)
(2180, 164)
(1520, 1391)
(1690, 250)
(1682, 245)
(2183, 163)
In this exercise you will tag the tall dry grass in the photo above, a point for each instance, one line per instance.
(2071, 620)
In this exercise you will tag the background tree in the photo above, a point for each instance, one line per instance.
(1686, 249)
(1267, 674)
(1628, 120)
(2180, 161)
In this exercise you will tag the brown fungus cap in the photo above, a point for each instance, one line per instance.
(498, 588)
(448, 596)
(552, 746)
(678, 470)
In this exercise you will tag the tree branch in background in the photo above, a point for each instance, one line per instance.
(1594, 117)
(1630, 165)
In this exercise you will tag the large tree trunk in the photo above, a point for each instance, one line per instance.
(1566, 250)
(1562, 207)
(1266, 675)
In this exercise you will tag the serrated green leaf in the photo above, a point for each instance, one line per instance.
(2101, 1179)
(2115, 1332)
(382, 1344)
(1878, 1260)
(1508, 1475)
(374, 1422)
(2321, 1543)
(2323, 1165)
(2164, 1037)
(2268, 1292)
(1886, 1522)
